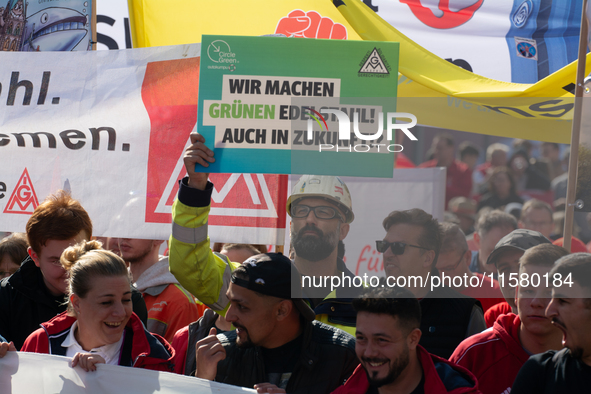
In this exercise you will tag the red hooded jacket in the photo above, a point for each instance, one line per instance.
(441, 377)
(490, 316)
(140, 349)
(494, 356)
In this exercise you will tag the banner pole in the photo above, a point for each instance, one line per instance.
(93, 24)
(576, 133)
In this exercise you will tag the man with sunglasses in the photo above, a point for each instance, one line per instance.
(410, 249)
(321, 211)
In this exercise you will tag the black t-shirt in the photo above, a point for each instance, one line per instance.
(553, 372)
(420, 389)
(280, 361)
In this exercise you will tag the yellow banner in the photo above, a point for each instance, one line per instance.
(174, 22)
(437, 92)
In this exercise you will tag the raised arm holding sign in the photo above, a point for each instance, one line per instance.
(321, 211)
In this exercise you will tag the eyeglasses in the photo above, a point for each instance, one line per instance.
(302, 211)
(397, 248)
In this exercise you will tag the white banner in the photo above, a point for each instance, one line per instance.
(111, 127)
(44, 374)
(374, 198)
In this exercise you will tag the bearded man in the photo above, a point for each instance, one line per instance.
(321, 211)
(277, 346)
(392, 361)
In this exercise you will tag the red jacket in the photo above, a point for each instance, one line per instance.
(185, 339)
(438, 380)
(145, 350)
(494, 356)
(179, 344)
(402, 161)
(491, 315)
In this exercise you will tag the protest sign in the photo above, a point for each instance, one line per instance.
(257, 96)
(111, 127)
(46, 374)
(437, 92)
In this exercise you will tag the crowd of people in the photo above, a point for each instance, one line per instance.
(235, 314)
(509, 178)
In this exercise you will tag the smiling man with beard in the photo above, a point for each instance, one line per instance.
(277, 345)
(567, 370)
(392, 361)
(321, 212)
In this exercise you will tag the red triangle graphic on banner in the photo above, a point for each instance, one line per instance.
(23, 199)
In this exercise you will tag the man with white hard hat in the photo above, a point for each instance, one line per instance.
(315, 236)
(321, 210)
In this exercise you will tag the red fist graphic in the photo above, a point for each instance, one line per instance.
(310, 25)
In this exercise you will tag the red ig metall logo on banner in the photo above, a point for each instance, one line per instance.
(170, 92)
(23, 199)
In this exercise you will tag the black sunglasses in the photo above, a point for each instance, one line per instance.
(397, 248)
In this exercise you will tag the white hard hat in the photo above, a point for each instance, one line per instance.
(331, 188)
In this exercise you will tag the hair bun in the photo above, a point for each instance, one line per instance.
(73, 253)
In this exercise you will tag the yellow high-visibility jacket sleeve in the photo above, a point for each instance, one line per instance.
(197, 268)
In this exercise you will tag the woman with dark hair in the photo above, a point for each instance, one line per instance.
(501, 190)
(99, 325)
